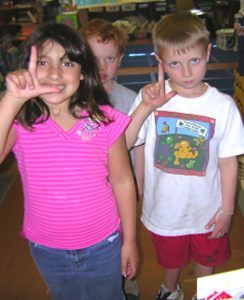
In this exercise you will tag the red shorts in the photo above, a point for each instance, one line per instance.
(175, 252)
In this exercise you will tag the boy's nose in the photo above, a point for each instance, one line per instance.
(186, 70)
(101, 64)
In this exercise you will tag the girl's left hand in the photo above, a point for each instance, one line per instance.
(222, 223)
(129, 260)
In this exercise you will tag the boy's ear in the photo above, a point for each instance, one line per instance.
(120, 59)
(157, 57)
(209, 52)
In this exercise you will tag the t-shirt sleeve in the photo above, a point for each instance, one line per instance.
(232, 142)
(118, 124)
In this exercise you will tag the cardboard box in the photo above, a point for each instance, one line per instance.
(227, 285)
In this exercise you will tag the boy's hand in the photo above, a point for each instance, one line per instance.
(129, 260)
(153, 94)
(23, 85)
(222, 224)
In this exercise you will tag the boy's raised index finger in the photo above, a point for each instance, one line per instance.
(33, 60)
(160, 75)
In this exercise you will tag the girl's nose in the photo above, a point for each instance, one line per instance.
(54, 73)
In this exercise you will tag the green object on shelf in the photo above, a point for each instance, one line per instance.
(68, 18)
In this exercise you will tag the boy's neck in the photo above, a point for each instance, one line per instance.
(109, 86)
(195, 92)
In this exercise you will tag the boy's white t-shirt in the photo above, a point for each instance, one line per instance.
(183, 141)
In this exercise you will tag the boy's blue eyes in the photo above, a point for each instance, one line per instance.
(176, 64)
(195, 60)
(109, 59)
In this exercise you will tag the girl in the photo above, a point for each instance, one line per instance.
(72, 158)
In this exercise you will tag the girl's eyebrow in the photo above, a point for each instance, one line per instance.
(64, 56)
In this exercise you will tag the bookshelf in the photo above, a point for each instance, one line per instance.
(17, 20)
(19, 17)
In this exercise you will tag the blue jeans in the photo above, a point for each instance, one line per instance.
(87, 274)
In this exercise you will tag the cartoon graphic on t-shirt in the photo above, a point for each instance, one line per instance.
(182, 142)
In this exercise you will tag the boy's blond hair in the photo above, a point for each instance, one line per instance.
(179, 31)
(107, 32)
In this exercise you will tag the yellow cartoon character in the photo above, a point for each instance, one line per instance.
(165, 127)
(184, 151)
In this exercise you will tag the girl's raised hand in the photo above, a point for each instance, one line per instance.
(153, 94)
(23, 84)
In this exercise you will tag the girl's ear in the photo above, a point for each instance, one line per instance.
(81, 76)
(209, 52)
(157, 57)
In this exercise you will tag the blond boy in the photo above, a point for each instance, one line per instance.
(192, 134)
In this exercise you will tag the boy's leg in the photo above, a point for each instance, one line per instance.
(172, 254)
(208, 253)
(201, 270)
(171, 278)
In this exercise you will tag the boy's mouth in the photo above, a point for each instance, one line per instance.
(103, 77)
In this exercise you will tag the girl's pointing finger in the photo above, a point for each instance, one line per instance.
(33, 61)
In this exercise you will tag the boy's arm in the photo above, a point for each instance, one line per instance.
(121, 178)
(228, 173)
(153, 96)
(138, 167)
(138, 117)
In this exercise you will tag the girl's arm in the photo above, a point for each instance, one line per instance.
(7, 134)
(121, 178)
(21, 85)
(228, 172)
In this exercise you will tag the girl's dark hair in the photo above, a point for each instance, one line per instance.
(91, 92)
